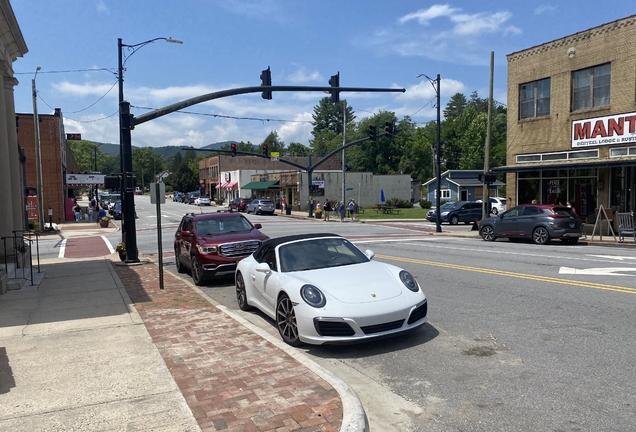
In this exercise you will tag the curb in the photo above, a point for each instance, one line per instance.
(354, 418)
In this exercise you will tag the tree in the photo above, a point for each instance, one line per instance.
(297, 149)
(455, 107)
(274, 143)
(329, 116)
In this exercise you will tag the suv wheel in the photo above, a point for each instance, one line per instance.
(494, 211)
(454, 220)
(197, 271)
(540, 236)
(180, 267)
(487, 233)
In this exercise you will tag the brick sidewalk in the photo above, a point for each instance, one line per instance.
(232, 379)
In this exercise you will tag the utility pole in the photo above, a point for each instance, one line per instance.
(344, 141)
(486, 190)
(38, 153)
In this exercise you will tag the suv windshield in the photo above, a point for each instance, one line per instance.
(222, 225)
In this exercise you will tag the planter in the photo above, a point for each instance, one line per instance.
(122, 255)
(318, 215)
(104, 224)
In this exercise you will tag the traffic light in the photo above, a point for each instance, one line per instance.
(388, 128)
(373, 133)
(233, 149)
(74, 136)
(265, 150)
(266, 80)
(334, 81)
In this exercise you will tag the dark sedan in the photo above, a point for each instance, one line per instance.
(539, 222)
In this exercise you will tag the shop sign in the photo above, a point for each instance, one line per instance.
(607, 130)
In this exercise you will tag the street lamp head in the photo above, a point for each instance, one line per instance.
(175, 41)
(37, 68)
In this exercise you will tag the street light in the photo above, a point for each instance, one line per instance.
(38, 153)
(435, 83)
(129, 235)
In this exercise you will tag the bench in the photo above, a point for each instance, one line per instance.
(626, 226)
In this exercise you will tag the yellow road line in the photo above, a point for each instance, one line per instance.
(584, 284)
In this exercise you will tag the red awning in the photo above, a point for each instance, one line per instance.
(230, 185)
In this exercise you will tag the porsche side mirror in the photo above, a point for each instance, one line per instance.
(263, 268)
(369, 253)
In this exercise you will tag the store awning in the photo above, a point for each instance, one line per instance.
(260, 185)
(230, 185)
(566, 165)
(220, 185)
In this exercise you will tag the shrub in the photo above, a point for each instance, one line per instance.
(425, 204)
(399, 203)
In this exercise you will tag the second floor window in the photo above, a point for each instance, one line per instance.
(591, 87)
(534, 99)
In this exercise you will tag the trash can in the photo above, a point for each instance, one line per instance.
(288, 210)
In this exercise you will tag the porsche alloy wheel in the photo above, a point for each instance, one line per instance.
(286, 321)
(241, 294)
(540, 236)
(487, 233)
(197, 271)
(180, 267)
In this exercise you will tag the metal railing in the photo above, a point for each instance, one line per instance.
(20, 248)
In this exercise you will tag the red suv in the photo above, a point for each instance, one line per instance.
(239, 204)
(210, 244)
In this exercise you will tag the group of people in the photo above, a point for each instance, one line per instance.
(336, 208)
(90, 211)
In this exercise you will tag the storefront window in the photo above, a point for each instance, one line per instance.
(528, 190)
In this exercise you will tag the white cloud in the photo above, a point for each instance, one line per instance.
(302, 75)
(101, 7)
(423, 16)
(543, 8)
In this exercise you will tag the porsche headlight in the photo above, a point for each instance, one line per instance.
(206, 249)
(409, 281)
(313, 296)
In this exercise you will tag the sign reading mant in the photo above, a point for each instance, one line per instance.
(608, 130)
(84, 179)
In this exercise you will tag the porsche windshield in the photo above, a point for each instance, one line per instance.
(319, 253)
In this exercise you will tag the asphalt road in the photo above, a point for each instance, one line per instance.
(520, 337)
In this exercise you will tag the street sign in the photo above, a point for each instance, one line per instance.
(274, 156)
(154, 191)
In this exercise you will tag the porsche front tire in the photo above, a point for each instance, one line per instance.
(241, 293)
(286, 321)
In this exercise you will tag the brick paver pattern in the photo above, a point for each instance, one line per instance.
(232, 379)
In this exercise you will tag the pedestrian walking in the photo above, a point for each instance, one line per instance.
(90, 210)
(283, 204)
(341, 210)
(78, 213)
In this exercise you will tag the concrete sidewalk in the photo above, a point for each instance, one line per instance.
(98, 346)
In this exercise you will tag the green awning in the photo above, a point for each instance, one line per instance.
(260, 185)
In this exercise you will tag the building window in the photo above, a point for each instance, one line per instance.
(446, 194)
(591, 87)
(534, 99)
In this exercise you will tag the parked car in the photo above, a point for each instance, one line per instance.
(239, 204)
(497, 205)
(191, 196)
(431, 215)
(260, 206)
(461, 211)
(202, 200)
(177, 197)
(539, 222)
(290, 279)
(210, 244)
(116, 211)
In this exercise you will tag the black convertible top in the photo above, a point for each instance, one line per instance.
(273, 242)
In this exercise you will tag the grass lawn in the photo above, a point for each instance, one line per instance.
(405, 213)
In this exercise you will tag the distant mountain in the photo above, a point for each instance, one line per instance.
(165, 151)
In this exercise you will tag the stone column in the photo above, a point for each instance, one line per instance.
(17, 188)
(6, 211)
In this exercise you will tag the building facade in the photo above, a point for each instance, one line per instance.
(56, 160)
(12, 192)
(572, 120)
(460, 185)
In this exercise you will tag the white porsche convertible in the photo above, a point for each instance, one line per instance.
(320, 288)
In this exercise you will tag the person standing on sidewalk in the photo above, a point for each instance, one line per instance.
(78, 213)
(90, 210)
(352, 209)
(283, 204)
(341, 210)
(327, 210)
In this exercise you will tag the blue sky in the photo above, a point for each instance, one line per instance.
(226, 44)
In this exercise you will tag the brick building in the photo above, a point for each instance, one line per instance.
(56, 160)
(572, 120)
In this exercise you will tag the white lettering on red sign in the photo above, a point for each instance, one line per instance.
(608, 130)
